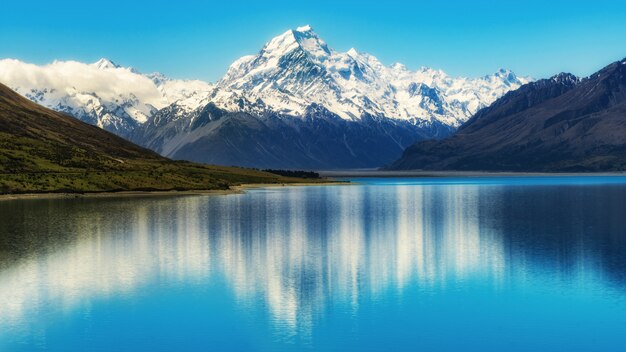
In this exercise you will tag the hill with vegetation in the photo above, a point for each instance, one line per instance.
(46, 151)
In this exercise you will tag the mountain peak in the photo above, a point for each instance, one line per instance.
(305, 28)
(105, 63)
(352, 52)
(398, 66)
(503, 71)
(300, 38)
(158, 78)
(565, 78)
(505, 74)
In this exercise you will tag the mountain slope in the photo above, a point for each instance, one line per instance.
(318, 140)
(558, 124)
(45, 151)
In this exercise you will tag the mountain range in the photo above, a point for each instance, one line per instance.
(563, 123)
(297, 103)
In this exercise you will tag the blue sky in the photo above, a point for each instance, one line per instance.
(187, 39)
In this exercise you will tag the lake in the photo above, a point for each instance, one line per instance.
(386, 264)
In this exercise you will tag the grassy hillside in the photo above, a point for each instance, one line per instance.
(45, 151)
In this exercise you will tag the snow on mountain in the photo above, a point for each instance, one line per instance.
(297, 69)
(103, 93)
(189, 94)
(293, 72)
(104, 64)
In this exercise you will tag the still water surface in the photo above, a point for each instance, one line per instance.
(449, 264)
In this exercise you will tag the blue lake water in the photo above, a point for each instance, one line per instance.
(430, 264)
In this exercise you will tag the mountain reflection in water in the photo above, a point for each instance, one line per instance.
(301, 253)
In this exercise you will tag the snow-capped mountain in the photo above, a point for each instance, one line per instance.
(297, 69)
(559, 124)
(103, 93)
(296, 93)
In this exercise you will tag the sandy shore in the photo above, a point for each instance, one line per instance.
(271, 185)
(232, 190)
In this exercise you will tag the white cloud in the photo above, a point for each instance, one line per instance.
(71, 77)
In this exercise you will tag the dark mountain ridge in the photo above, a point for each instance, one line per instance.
(318, 140)
(556, 124)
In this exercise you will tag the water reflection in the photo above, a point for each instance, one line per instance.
(303, 251)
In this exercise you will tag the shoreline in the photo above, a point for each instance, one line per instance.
(238, 189)
(334, 179)
(425, 174)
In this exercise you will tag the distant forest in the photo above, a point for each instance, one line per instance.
(294, 173)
